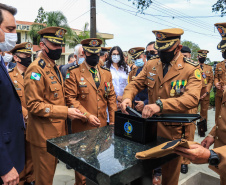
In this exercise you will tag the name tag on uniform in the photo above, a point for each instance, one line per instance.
(18, 89)
(82, 85)
(54, 82)
(150, 78)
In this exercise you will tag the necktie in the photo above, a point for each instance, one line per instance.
(201, 66)
(95, 77)
(57, 72)
(165, 70)
(22, 75)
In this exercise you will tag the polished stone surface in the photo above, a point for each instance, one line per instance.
(103, 157)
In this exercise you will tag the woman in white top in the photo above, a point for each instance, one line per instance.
(119, 70)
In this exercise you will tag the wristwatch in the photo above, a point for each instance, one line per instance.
(159, 103)
(214, 159)
(207, 93)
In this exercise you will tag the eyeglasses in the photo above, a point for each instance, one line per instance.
(151, 52)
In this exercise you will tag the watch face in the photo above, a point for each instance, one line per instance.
(214, 161)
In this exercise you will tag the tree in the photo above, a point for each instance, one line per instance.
(193, 47)
(141, 4)
(41, 17)
(220, 6)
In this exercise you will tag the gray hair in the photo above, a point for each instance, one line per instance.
(77, 49)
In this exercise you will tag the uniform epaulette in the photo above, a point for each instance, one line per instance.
(105, 68)
(42, 63)
(194, 63)
(10, 70)
(73, 67)
(154, 57)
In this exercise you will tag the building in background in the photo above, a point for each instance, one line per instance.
(23, 28)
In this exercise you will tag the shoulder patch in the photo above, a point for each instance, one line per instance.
(42, 63)
(73, 67)
(105, 68)
(10, 70)
(154, 57)
(194, 63)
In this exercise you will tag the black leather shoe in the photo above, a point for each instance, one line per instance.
(29, 183)
(184, 168)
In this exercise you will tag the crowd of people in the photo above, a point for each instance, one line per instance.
(86, 92)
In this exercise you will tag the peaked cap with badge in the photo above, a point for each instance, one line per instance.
(92, 45)
(166, 38)
(24, 47)
(185, 49)
(106, 49)
(221, 27)
(203, 53)
(53, 34)
(136, 52)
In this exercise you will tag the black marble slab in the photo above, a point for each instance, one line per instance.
(103, 157)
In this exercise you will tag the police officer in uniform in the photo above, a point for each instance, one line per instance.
(207, 73)
(22, 56)
(89, 88)
(47, 110)
(141, 99)
(174, 85)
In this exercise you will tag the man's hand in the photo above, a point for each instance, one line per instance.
(218, 85)
(74, 113)
(139, 106)
(94, 121)
(203, 96)
(11, 178)
(119, 99)
(197, 154)
(207, 142)
(124, 104)
(150, 110)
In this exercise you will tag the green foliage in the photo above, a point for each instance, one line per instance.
(141, 4)
(212, 98)
(220, 6)
(41, 17)
(193, 47)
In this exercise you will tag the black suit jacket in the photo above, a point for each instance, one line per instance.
(12, 151)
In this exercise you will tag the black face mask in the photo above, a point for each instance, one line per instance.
(150, 54)
(202, 60)
(167, 57)
(25, 61)
(224, 54)
(54, 54)
(92, 60)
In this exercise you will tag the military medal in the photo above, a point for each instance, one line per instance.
(82, 83)
(47, 72)
(178, 88)
(55, 95)
(153, 69)
(107, 89)
(51, 77)
(172, 91)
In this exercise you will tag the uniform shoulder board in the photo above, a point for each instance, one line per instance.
(154, 57)
(10, 70)
(42, 63)
(73, 67)
(105, 68)
(194, 63)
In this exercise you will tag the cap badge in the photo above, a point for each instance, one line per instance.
(132, 51)
(221, 30)
(160, 36)
(93, 43)
(28, 45)
(60, 33)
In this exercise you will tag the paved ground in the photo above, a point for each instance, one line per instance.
(66, 177)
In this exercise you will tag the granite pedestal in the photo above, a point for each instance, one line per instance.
(104, 158)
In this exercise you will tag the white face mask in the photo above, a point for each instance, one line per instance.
(7, 58)
(115, 58)
(9, 43)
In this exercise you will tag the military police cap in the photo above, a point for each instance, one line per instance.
(53, 34)
(185, 49)
(136, 52)
(104, 50)
(24, 47)
(203, 53)
(166, 38)
(92, 45)
(221, 27)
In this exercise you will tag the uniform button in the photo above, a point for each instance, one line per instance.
(97, 91)
(158, 97)
(83, 96)
(98, 99)
(148, 83)
(161, 86)
(216, 137)
(216, 127)
(82, 91)
(98, 107)
(223, 104)
(219, 117)
(148, 88)
(51, 120)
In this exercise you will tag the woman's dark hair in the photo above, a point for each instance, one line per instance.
(121, 63)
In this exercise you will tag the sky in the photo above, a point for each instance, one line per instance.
(132, 29)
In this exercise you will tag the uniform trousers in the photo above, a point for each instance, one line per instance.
(27, 175)
(218, 100)
(44, 165)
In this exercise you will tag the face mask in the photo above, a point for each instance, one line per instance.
(224, 54)
(115, 58)
(92, 60)
(139, 62)
(25, 61)
(7, 58)
(54, 54)
(202, 60)
(81, 60)
(9, 43)
(167, 57)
